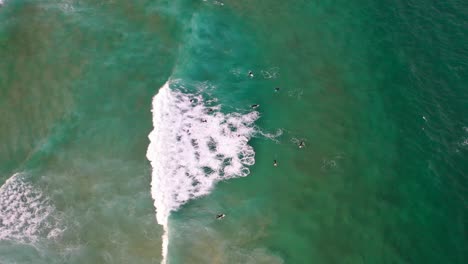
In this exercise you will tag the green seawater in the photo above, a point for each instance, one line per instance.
(375, 89)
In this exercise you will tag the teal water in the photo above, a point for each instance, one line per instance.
(375, 89)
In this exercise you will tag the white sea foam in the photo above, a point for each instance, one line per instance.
(271, 73)
(271, 136)
(219, 3)
(25, 213)
(192, 147)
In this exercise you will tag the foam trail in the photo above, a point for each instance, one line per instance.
(192, 147)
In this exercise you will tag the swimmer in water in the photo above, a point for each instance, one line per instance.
(277, 89)
(275, 163)
(251, 75)
(255, 106)
(220, 216)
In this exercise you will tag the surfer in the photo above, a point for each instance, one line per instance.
(275, 163)
(255, 106)
(277, 89)
(251, 75)
(301, 144)
(220, 216)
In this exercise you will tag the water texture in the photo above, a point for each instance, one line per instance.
(127, 126)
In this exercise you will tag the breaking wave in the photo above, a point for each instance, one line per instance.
(192, 147)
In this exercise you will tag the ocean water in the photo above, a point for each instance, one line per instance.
(127, 126)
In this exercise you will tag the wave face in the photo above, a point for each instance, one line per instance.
(26, 215)
(192, 147)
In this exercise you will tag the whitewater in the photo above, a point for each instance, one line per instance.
(192, 146)
(26, 214)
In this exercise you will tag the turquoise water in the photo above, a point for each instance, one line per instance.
(375, 89)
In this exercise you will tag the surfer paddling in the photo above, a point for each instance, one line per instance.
(275, 163)
(301, 144)
(251, 75)
(220, 216)
(255, 106)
